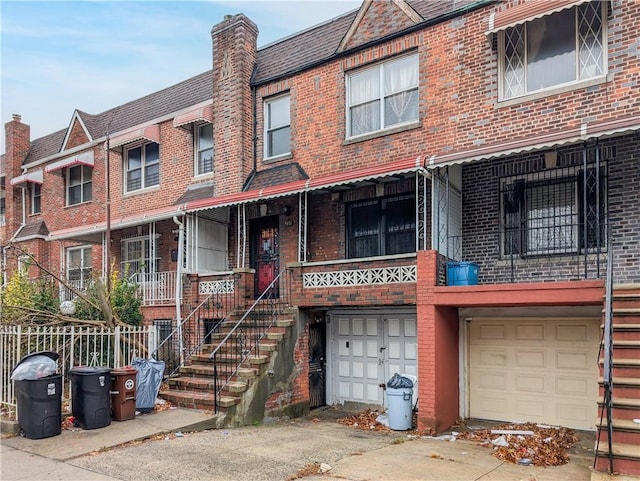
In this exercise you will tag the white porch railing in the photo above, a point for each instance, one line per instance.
(156, 287)
(76, 346)
(68, 293)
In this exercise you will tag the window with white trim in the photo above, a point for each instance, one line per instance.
(79, 184)
(382, 96)
(36, 198)
(204, 149)
(140, 255)
(79, 266)
(558, 49)
(277, 121)
(142, 167)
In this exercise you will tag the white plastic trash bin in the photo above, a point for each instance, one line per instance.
(400, 411)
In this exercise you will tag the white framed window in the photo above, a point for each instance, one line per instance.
(142, 167)
(382, 96)
(36, 198)
(140, 255)
(204, 149)
(277, 122)
(558, 49)
(79, 265)
(79, 184)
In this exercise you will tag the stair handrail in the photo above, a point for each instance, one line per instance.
(607, 346)
(232, 331)
(179, 326)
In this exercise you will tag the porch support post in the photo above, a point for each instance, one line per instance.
(421, 211)
(241, 236)
(302, 227)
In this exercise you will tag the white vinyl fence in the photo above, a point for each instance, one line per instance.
(76, 346)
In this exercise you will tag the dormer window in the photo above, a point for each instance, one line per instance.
(556, 50)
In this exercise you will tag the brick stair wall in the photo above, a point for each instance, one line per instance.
(193, 388)
(626, 386)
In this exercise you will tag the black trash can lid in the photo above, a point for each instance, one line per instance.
(89, 370)
(50, 354)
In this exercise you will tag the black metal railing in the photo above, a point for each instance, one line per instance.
(606, 351)
(181, 339)
(244, 337)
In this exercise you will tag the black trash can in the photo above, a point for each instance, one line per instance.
(91, 396)
(39, 401)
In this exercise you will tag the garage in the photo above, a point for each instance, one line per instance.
(366, 349)
(534, 370)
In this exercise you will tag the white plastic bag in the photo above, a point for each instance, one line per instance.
(35, 367)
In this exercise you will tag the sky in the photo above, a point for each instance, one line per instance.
(92, 55)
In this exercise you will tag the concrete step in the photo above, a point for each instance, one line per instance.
(183, 383)
(626, 458)
(190, 399)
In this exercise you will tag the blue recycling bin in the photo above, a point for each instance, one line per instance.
(462, 274)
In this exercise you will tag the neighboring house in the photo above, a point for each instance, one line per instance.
(377, 159)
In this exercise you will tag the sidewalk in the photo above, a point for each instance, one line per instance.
(261, 453)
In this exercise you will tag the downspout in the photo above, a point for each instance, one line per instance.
(179, 284)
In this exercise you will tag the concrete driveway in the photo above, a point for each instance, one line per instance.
(279, 451)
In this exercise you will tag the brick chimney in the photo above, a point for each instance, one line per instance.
(235, 43)
(17, 143)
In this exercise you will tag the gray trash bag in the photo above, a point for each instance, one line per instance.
(149, 379)
(399, 382)
(34, 367)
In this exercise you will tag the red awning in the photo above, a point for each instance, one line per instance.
(528, 11)
(85, 158)
(201, 114)
(413, 164)
(151, 133)
(35, 177)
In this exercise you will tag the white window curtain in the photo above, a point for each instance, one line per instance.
(400, 88)
(364, 91)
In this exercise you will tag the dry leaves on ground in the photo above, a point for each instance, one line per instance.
(365, 420)
(547, 446)
(312, 469)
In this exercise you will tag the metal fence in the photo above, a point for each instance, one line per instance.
(76, 346)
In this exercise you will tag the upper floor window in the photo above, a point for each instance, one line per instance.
(381, 227)
(382, 96)
(277, 115)
(557, 49)
(36, 198)
(3, 206)
(204, 149)
(556, 212)
(142, 167)
(79, 184)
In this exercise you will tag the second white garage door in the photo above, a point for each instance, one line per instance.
(542, 371)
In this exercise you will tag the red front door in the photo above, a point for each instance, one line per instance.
(265, 252)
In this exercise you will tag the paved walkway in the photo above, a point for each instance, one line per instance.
(260, 453)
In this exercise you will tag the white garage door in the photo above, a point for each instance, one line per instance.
(366, 350)
(541, 371)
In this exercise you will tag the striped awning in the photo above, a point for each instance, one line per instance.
(528, 11)
(150, 133)
(397, 167)
(85, 158)
(34, 177)
(201, 114)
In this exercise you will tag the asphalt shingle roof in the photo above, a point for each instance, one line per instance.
(276, 176)
(279, 59)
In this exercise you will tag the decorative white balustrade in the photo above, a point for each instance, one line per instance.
(224, 286)
(360, 277)
(156, 287)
